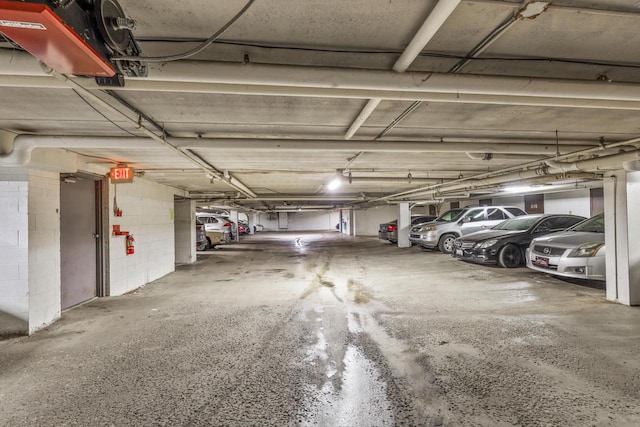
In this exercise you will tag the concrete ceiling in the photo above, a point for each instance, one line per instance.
(320, 62)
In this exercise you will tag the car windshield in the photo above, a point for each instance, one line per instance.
(591, 225)
(517, 224)
(452, 215)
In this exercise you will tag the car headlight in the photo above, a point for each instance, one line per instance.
(586, 250)
(486, 244)
(428, 228)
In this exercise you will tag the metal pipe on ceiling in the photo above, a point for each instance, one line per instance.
(440, 13)
(285, 145)
(553, 172)
(621, 145)
(287, 80)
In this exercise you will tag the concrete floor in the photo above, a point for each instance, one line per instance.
(322, 329)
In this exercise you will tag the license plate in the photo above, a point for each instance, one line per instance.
(459, 252)
(541, 261)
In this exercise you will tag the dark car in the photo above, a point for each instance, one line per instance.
(505, 244)
(389, 230)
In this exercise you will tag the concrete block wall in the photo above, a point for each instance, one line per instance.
(368, 220)
(14, 255)
(313, 221)
(148, 214)
(44, 249)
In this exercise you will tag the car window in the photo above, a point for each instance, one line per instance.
(452, 215)
(517, 224)
(594, 225)
(476, 215)
(559, 223)
(516, 211)
(496, 214)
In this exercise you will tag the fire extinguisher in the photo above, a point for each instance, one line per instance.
(130, 248)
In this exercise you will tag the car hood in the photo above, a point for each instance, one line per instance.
(570, 238)
(489, 234)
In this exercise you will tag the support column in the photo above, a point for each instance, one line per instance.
(185, 231)
(14, 255)
(234, 218)
(404, 223)
(622, 208)
(251, 222)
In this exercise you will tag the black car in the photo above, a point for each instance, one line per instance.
(505, 243)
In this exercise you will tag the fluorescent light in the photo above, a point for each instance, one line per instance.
(334, 184)
(521, 189)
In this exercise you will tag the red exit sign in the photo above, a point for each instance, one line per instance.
(121, 174)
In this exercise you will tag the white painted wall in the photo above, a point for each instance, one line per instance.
(269, 221)
(14, 256)
(312, 221)
(517, 201)
(147, 214)
(368, 220)
(576, 202)
(301, 221)
(44, 249)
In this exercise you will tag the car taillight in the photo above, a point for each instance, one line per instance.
(228, 224)
(392, 228)
(198, 228)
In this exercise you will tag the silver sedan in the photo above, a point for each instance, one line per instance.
(578, 252)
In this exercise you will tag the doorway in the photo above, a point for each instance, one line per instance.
(81, 266)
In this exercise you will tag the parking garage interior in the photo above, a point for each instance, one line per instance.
(312, 125)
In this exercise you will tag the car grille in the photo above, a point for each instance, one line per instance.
(463, 245)
(548, 250)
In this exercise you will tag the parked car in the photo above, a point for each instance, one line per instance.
(506, 243)
(578, 252)
(389, 230)
(454, 223)
(201, 236)
(216, 222)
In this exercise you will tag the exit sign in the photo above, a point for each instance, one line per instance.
(121, 174)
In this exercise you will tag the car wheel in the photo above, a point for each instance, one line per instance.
(446, 243)
(208, 244)
(510, 256)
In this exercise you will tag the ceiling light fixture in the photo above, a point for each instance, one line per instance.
(335, 183)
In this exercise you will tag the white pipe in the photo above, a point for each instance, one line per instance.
(431, 25)
(299, 91)
(23, 146)
(440, 13)
(367, 146)
(488, 155)
(596, 164)
(388, 179)
(368, 109)
(337, 82)
(562, 166)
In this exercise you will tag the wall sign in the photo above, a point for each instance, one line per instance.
(121, 175)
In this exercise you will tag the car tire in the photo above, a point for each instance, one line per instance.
(445, 245)
(510, 256)
(208, 244)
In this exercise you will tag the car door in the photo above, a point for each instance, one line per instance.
(494, 217)
(473, 221)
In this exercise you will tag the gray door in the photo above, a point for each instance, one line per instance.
(77, 241)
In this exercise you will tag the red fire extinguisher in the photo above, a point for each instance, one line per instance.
(130, 248)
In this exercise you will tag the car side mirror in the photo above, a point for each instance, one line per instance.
(466, 219)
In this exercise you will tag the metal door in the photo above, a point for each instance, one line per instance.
(78, 232)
